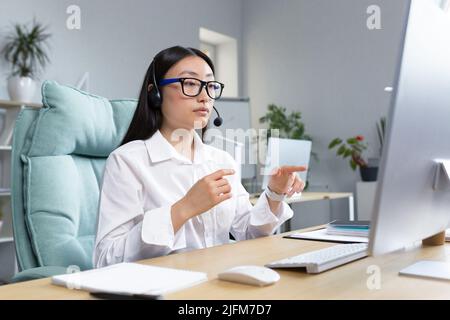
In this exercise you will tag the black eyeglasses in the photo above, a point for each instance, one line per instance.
(192, 87)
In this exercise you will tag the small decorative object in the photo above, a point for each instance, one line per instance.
(25, 51)
(1, 219)
(353, 148)
(381, 130)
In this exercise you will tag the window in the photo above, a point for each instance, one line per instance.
(222, 50)
(210, 50)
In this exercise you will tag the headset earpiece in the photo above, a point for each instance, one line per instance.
(154, 94)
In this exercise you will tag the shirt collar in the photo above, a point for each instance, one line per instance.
(159, 149)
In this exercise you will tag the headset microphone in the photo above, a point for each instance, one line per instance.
(218, 120)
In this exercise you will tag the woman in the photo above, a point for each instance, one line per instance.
(164, 190)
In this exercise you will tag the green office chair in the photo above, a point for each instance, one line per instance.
(58, 156)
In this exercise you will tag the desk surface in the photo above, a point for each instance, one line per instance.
(345, 282)
(312, 196)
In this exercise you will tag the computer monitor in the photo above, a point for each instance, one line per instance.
(286, 152)
(411, 204)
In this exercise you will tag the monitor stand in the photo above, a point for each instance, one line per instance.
(436, 240)
(430, 269)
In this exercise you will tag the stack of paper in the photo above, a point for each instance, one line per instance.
(131, 279)
(349, 228)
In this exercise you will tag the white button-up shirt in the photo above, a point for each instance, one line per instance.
(141, 182)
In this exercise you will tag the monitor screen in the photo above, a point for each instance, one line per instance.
(407, 208)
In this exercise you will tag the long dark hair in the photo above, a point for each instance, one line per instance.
(147, 118)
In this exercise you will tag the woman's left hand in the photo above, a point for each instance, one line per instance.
(284, 180)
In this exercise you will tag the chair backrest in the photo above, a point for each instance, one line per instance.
(57, 165)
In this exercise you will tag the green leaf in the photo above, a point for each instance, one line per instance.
(25, 48)
(347, 153)
(341, 150)
(334, 143)
(290, 126)
(353, 164)
(381, 130)
(352, 141)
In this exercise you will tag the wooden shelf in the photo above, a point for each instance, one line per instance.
(5, 192)
(9, 111)
(16, 104)
(6, 239)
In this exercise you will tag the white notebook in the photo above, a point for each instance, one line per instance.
(131, 279)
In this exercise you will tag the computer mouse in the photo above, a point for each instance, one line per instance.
(252, 275)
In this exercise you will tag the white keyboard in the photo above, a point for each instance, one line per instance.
(324, 259)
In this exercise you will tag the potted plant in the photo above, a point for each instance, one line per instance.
(25, 50)
(353, 148)
(381, 130)
(1, 219)
(290, 126)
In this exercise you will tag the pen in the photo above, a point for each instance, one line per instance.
(331, 222)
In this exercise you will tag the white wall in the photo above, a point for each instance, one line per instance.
(318, 57)
(119, 38)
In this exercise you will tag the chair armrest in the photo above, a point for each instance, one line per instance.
(38, 273)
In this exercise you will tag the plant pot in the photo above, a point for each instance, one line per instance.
(21, 88)
(373, 162)
(368, 173)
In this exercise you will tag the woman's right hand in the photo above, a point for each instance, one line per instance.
(204, 194)
(207, 193)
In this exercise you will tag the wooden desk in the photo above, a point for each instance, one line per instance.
(316, 196)
(345, 282)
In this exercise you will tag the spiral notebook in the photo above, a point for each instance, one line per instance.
(131, 279)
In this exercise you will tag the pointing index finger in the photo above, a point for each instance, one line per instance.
(290, 169)
(220, 173)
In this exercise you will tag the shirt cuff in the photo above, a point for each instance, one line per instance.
(157, 228)
(262, 215)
